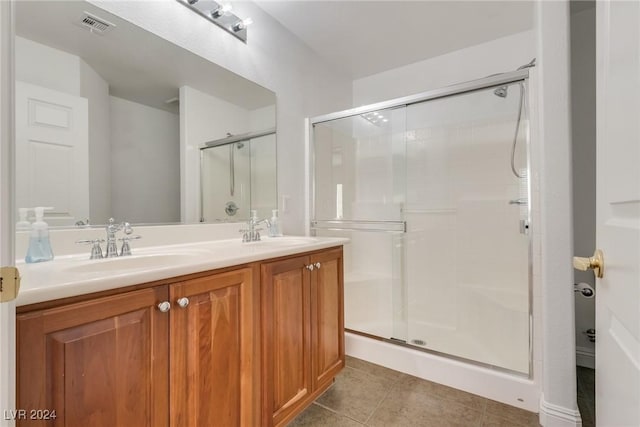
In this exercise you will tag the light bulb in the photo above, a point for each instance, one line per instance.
(241, 25)
(221, 10)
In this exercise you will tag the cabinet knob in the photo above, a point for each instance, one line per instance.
(318, 265)
(164, 306)
(183, 302)
(310, 267)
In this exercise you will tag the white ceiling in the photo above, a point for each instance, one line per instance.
(368, 37)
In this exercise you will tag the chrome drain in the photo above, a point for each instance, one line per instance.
(419, 342)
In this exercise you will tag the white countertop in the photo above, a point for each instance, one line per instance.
(73, 275)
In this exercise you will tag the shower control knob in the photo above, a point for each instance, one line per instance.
(183, 302)
(309, 267)
(164, 306)
(317, 264)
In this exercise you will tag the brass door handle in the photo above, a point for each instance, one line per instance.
(595, 263)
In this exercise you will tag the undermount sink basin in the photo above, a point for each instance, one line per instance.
(134, 262)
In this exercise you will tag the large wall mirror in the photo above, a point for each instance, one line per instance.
(113, 121)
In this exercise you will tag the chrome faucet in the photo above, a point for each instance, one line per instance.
(112, 228)
(112, 248)
(251, 233)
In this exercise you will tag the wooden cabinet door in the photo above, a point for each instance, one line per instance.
(327, 317)
(286, 338)
(215, 346)
(96, 363)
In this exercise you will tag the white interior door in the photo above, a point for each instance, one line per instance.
(52, 153)
(618, 213)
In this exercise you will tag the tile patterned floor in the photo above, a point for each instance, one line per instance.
(587, 396)
(365, 394)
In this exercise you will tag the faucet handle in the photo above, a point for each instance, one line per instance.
(96, 249)
(126, 247)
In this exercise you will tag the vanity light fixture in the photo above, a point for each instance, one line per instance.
(220, 14)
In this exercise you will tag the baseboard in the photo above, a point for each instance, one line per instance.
(558, 416)
(586, 357)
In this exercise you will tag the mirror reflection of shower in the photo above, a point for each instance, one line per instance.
(232, 166)
(233, 176)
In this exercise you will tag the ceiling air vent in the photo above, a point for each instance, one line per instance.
(94, 24)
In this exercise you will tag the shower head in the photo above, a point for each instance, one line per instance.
(501, 92)
(239, 145)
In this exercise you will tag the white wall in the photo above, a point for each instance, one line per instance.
(583, 98)
(47, 67)
(497, 56)
(96, 90)
(144, 155)
(264, 185)
(272, 57)
(552, 129)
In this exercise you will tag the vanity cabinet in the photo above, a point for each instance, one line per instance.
(102, 362)
(246, 346)
(128, 360)
(215, 350)
(303, 332)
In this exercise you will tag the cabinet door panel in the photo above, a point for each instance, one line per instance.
(213, 363)
(99, 363)
(286, 340)
(327, 318)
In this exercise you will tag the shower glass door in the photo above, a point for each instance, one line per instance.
(467, 250)
(359, 169)
(434, 196)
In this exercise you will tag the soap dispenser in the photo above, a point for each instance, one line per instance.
(275, 229)
(23, 224)
(39, 244)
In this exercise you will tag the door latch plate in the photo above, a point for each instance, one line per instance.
(9, 283)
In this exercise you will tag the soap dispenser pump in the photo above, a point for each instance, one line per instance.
(23, 224)
(39, 244)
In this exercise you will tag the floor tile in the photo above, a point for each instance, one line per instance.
(587, 379)
(490, 420)
(377, 396)
(375, 370)
(518, 416)
(587, 395)
(587, 412)
(318, 416)
(433, 389)
(355, 394)
(412, 407)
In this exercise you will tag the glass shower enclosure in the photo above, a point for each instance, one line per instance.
(433, 192)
